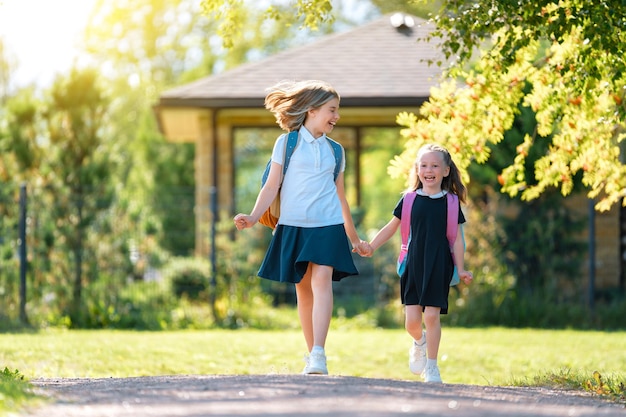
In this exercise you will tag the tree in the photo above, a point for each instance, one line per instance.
(564, 60)
(229, 12)
(549, 268)
(17, 135)
(77, 166)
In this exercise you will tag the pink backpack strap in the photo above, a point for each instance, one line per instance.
(453, 222)
(453, 218)
(405, 221)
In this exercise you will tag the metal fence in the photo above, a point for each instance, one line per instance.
(117, 257)
(57, 246)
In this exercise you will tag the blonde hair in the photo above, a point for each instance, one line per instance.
(291, 100)
(452, 183)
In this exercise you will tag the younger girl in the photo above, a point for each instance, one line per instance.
(425, 283)
(309, 246)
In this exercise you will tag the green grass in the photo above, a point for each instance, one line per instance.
(14, 390)
(494, 356)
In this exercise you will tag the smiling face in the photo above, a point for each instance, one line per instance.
(431, 170)
(322, 119)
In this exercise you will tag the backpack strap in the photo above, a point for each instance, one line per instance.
(290, 146)
(405, 221)
(453, 218)
(338, 152)
(453, 223)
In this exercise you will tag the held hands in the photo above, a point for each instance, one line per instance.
(363, 248)
(243, 221)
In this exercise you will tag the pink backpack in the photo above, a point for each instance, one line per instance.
(451, 228)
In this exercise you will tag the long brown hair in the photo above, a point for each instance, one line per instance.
(291, 100)
(452, 183)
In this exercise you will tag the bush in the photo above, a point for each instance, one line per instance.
(189, 277)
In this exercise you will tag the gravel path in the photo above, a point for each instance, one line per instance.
(299, 395)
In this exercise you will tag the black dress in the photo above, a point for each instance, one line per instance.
(429, 267)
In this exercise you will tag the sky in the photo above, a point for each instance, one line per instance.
(42, 35)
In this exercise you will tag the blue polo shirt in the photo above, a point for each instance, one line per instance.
(309, 194)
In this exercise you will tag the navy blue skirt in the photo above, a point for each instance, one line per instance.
(292, 248)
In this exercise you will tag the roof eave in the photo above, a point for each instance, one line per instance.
(255, 102)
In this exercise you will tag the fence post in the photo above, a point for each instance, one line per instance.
(213, 256)
(22, 253)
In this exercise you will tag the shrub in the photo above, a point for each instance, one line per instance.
(189, 277)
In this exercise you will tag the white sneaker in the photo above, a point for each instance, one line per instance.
(316, 364)
(417, 357)
(431, 374)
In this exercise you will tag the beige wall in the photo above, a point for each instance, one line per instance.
(606, 240)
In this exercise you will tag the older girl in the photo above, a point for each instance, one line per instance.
(309, 246)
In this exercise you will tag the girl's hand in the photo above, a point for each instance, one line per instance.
(368, 251)
(362, 248)
(357, 247)
(466, 276)
(243, 221)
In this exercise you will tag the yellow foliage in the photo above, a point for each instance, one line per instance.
(585, 129)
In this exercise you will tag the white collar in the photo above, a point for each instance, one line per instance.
(308, 136)
(440, 194)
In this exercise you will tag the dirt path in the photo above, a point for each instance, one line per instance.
(298, 395)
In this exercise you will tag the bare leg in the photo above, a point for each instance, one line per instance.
(304, 295)
(322, 288)
(413, 321)
(433, 330)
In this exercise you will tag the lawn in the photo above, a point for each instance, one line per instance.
(493, 356)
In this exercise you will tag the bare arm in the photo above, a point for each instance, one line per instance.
(385, 233)
(264, 199)
(459, 253)
(348, 223)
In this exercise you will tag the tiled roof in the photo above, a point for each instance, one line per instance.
(375, 64)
